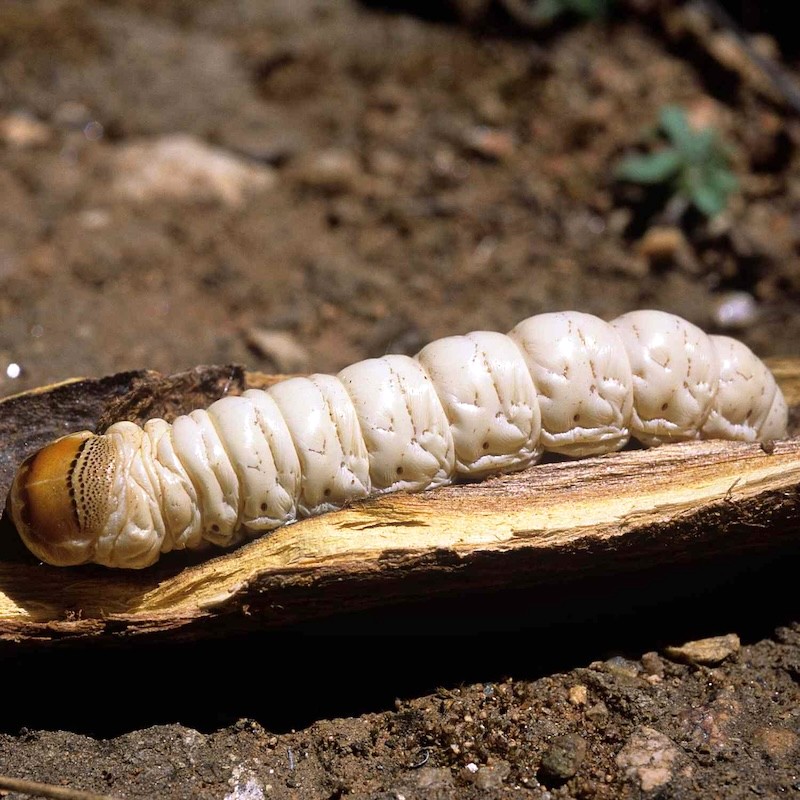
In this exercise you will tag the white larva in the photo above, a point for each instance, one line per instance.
(465, 406)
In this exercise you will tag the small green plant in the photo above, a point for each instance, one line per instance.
(696, 164)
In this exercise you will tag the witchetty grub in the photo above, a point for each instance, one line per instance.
(463, 407)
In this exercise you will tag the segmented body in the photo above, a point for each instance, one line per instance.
(465, 406)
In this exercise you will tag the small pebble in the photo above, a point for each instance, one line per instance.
(181, 167)
(597, 713)
(729, 51)
(622, 667)
(563, 758)
(13, 370)
(707, 652)
(250, 790)
(648, 759)
(490, 143)
(712, 726)
(94, 219)
(279, 347)
(578, 695)
(492, 776)
(735, 310)
(432, 778)
(331, 171)
(94, 130)
(387, 163)
(653, 665)
(72, 114)
(23, 131)
(661, 243)
(778, 743)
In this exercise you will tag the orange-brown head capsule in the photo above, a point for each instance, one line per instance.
(91, 499)
(47, 502)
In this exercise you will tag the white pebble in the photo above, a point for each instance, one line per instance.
(181, 167)
(735, 310)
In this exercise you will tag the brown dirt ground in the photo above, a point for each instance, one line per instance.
(427, 178)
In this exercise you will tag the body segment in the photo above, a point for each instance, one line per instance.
(567, 350)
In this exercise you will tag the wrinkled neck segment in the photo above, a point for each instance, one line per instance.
(123, 513)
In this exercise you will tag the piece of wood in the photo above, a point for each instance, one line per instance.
(596, 516)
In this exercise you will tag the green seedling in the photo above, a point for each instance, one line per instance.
(695, 164)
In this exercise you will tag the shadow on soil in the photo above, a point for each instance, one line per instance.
(347, 666)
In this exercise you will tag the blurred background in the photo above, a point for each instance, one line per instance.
(296, 185)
